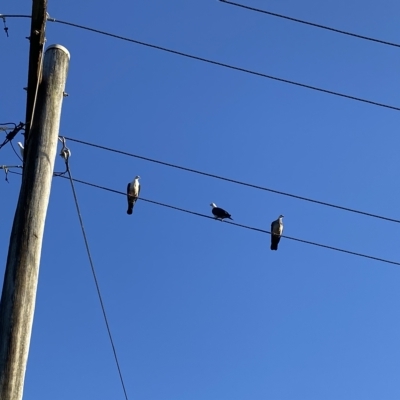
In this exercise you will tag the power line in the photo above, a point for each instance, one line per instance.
(239, 225)
(234, 223)
(221, 64)
(15, 152)
(94, 274)
(7, 123)
(235, 181)
(15, 16)
(260, 74)
(311, 23)
(11, 135)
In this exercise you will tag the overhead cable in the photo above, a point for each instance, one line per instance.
(66, 157)
(11, 135)
(221, 64)
(323, 203)
(311, 23)
(240, 225)
(235, 223)
(233, 67)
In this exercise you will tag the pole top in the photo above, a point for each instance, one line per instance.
(58, 46)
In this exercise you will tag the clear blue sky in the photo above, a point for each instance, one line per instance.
(200, 309)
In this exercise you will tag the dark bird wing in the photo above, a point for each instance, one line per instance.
(130, 200)
(228, 216)
(275, 238)
(221, 213)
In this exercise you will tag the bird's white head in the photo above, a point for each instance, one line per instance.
(213, 205)
(281, 216)
(137, 177)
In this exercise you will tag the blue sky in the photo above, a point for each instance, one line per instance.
(200, 309)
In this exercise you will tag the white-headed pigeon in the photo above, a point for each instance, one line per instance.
(220, 213)
(276, 232)
(133, 191)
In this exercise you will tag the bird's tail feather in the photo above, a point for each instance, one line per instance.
(130, 209)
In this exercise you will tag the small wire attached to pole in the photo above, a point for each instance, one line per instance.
(65, 154)
(15, 151)
(5, 25)
(11, 135)
(6, 169)
(5, 128)
(39, 78)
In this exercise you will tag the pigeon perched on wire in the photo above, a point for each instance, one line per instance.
(133, 191)
(220, 213)
(276, 232)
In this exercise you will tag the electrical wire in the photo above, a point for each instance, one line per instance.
(94, 274)
(234, 223)
(311, 23)
(16, 152)
(7, 123)
(240, 225)
(235, 181)
(37, 86)
(11, 135)
(15, 16)
(7, 170)
(221, 64)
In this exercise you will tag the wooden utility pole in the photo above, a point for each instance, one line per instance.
(36, 39)
(21, 276)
